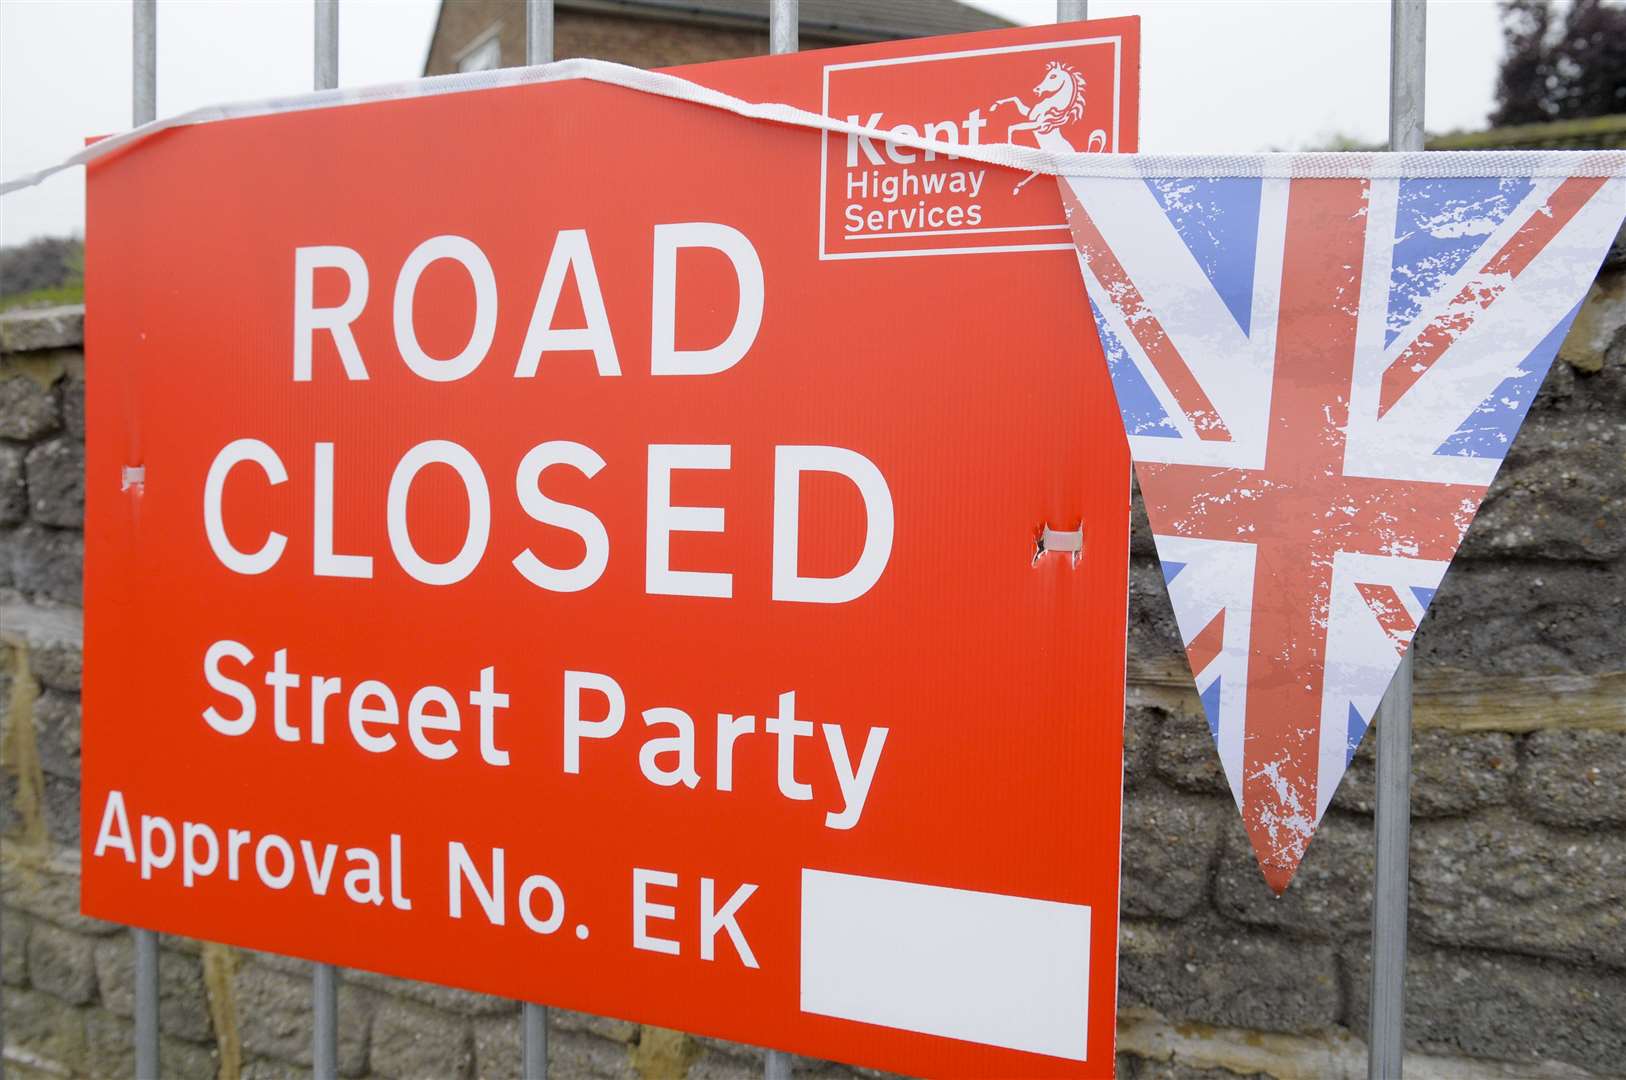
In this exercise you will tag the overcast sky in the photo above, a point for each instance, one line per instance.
(1216, 75)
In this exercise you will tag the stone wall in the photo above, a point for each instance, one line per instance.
(1518, 918)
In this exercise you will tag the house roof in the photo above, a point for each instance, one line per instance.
(837, 20)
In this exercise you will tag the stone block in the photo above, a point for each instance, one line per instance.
(719, 1059)
(1560, 494)
(718, 1063)
(574, 1055)
(1210, 971)
(14, 927)
(288, 965)
(1153, 633)
(498, 1049)
(28, 406)
(1459, 772)
(57, 665)
(1511, 1008)
(664, 1052)
(1169, 843)
(412, 1041)
(272, 1069)
(46, 563)
(1599, 328)
(50, 892)
(13, 489)
(56, 733)
(1141, 543)
(34, 329)
(1499, 882)
(274, 1018)
(73, 401)
(814, 1069)
(1141, 724)
(1147, 1069)
(1452, 772)
(1330, 897)
(1574, 778)
(183, 1001)
(62, 810)
(56, 483)
(46, 1027)
(605, 1027)
(1518, 618)
(10, 820)
(61, 963)
(446, 998)
(110, 1051)
(1569, 390)
(1186, 757)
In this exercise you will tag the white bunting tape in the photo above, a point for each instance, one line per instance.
(1514, 163)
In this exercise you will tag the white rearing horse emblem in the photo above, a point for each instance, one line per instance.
(1060, 102)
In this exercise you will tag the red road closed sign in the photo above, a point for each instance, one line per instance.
(518, 558)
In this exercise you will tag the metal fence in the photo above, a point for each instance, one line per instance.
(1386, 1033)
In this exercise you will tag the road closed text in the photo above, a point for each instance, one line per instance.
(251, 461)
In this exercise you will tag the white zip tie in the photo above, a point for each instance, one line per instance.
(1062, 540)
(1374, 165)
(1059, 540)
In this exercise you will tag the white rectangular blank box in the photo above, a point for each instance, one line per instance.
(999, 970)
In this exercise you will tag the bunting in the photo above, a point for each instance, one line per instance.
(1320, 366)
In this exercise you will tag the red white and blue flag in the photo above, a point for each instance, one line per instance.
(1319, 376)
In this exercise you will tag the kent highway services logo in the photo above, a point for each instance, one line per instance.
(882, 200)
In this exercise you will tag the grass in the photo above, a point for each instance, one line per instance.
(71, 292)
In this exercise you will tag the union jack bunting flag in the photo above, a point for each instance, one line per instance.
(1319, 377)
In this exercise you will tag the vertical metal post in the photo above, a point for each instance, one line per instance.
(144, 62)
(1072, 10)
(533, 1017)
(784, 26)
(325, 1025)
(146, 1004)
(1408, 40)
(143, 110)
(784, 36)
(1386, 1037)
(1386, 1033)
(325, 977)
(538, 31)
(327, 44)
(534, 1022)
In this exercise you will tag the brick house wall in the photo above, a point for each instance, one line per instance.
(1518, 862)
(663, 38)
(640, 42)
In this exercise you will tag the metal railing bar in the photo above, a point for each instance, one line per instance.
(146, 1003)
(534, 1017)
(325, 1021)
(143, 110)
(784, 36)
(1386, 1037)
(325, 977)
